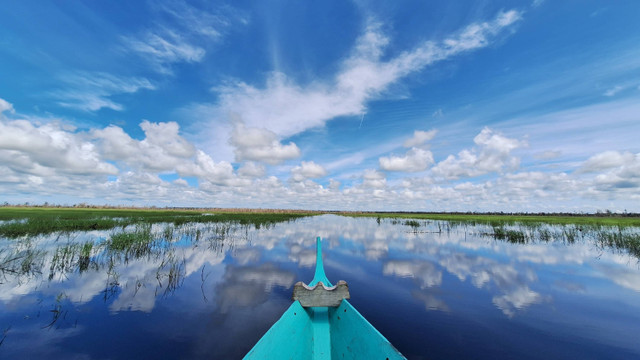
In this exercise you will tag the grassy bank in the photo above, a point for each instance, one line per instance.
(25, 221)
(614, 232)
(496, 220)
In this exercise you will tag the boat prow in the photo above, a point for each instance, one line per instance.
(326, 327)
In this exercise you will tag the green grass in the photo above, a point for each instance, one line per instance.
(125, 240)
(37, 221)
(616, 232)
(497, 220)
(414, 224)
(134, 244)
(510, 235)
(622, 240)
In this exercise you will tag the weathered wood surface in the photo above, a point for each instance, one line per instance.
(320, 295)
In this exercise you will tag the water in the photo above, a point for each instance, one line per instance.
(435, 291)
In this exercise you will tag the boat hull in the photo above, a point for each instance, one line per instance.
(323, 333)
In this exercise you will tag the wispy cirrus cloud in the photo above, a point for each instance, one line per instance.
(182, 34)
(537, 3)
(164, 47)
(287, 108)
(566, 131)
(209, 23)
(615, 90)
(92, 91)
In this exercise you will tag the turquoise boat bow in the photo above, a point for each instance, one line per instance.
(322, 324)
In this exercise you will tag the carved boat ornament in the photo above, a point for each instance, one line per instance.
(320, 294)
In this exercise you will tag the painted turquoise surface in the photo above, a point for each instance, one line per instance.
(323, 332)
(289, 338)
(319, 275)
(353, 337)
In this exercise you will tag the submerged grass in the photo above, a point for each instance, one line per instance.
(37, 221)
(498, 220)
(125, 240)
(510, 235)
(27, 261)
(134, 244)
(623, 236)
(621, 239)
(414, 224)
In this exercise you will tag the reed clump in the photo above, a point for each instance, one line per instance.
(621, 239)
(135, 243)
(414, 224)
(510, 235)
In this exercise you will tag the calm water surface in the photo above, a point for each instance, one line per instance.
(436, 291)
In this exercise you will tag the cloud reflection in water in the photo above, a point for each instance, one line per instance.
(224, 291)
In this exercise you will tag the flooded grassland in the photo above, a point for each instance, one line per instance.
(208, 286)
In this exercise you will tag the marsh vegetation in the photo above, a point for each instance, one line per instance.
(617, 232)
(153, 268)
(17, 222)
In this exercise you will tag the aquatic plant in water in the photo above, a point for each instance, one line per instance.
(46, 221)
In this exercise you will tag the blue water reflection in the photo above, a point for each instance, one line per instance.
(211, 290)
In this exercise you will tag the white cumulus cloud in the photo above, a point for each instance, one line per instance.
(163, 148)
(251, 169)
(414, 160)
(372, 178)
(623, 173)
(607, 160)
(49, 148)
(5, 106)
(419, 138)
(492, 154)
(259, 144)
(203, 167)
(307, 170)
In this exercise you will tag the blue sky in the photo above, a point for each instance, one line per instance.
(363, 105)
